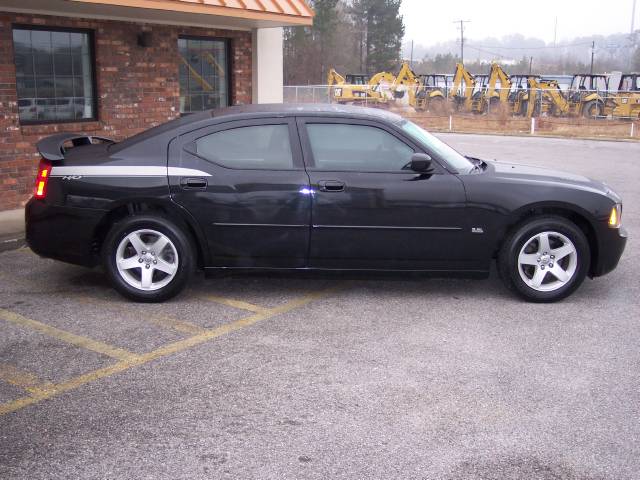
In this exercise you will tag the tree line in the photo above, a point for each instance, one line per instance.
(352, 36)
(365, 36)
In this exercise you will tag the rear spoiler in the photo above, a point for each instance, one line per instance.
(52, 148)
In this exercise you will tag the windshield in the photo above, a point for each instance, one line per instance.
(438, 147)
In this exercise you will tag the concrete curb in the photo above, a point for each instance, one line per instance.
(7, 244)
(11, 229)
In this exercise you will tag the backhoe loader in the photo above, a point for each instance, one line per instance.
(626, 101)
(499, 89)
(420, 96)
(435, 87)
(462, 88)
(479, 97)
(583, 97)
(518, 97)
(374, 91)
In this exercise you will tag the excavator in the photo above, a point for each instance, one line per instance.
(626, 101)
(581, 99)
(374, 90)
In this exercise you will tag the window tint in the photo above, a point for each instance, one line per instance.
(54, 75)
(357, 148)
(261, 146)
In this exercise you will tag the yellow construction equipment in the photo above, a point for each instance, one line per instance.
(375, 90)
(434, 90)
(406, 82)
(499, 87)
(462, 89)
(206, 86)
(583, 97)
(626, 101)
(518, 97)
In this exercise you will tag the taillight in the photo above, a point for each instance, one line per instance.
(44, 170)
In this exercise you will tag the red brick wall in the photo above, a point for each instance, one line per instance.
(137, 88)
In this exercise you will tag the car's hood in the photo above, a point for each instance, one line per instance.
(528, 174)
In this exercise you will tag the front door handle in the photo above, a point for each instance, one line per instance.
(331, 186)
(193, 183)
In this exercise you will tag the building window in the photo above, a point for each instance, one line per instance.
(54, 75)
(204, 74)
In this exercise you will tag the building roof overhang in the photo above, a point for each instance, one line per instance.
(234, 14)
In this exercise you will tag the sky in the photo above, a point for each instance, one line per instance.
(431, 21)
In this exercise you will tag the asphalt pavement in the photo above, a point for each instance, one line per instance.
(262, 377)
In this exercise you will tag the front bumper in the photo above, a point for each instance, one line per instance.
(611, 243)
(62, 233)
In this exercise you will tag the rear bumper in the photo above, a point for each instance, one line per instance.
(62, 233)
(611, 243)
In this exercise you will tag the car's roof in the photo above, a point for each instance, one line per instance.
(240, 112)
(307, 109)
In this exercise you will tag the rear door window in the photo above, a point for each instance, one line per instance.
(252, 147)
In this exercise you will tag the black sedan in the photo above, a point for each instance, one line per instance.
(313, 188)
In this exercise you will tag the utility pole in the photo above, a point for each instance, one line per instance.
(593, 51)
(633, 16)
(462, 22)
(530, 64)
(555, 32)
(411, 63)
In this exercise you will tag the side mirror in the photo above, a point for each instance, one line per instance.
(421, 162)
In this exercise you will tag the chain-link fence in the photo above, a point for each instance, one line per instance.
(580, 113)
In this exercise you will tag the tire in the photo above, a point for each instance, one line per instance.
(535, 273)
(140, 273)
(494, 105)
(437, 105)
(524, 107)
(593, 109)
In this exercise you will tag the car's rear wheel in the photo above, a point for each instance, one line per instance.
(545, 259)
(148, 258)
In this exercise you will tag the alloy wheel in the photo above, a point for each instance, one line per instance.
(547, 261)
(147, 259)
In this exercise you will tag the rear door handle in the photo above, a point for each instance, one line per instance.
(331, 186)
(193, 183)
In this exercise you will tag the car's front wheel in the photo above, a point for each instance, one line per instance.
(545, 259)
(148, 258)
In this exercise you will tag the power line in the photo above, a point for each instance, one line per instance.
(535, 48)
(495, 54)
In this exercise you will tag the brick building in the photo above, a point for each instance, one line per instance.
(117, 67)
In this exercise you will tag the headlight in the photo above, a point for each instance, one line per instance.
(615, 217)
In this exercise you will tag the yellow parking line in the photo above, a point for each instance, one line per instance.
(160, 320)
(68, 337)
(174, 324)
(230, 302)
(158, 353)
(21, 379)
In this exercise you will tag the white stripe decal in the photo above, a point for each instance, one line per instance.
(186, 172)
(125, 171)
